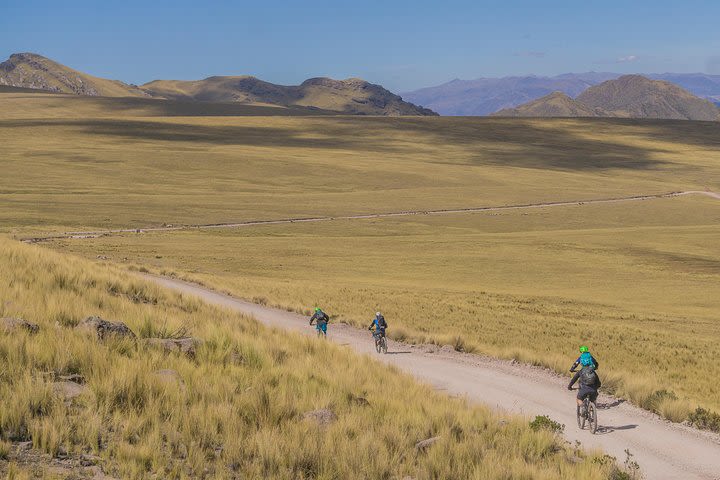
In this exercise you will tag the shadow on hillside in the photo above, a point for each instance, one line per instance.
(541, 144)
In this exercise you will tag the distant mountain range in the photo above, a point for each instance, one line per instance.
(485, 96)
(630, 96)
(352, 96)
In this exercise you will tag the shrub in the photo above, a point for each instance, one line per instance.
(543, 422)
(705, 419)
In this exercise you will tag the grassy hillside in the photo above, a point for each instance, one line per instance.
(630, 96)
(89, 170)
(556, 104)
(235, 408)
(22, 103)
(351, 96)
(35, 71)
(640, 97)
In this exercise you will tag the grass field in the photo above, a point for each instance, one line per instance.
(93, 166)
(638, 281)
(238, 406)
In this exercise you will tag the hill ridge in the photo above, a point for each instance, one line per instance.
(353, 96)
(630, 96)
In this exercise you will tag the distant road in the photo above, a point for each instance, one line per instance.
(663, 450)
(404, 213)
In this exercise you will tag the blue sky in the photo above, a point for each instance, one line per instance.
(400, 44)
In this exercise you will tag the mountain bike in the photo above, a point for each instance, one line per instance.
(380, 342)
(587, 413)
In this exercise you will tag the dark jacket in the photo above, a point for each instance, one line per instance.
(582, 376)
(319, 317)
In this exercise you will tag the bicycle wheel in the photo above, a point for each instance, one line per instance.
(383, 346)
(592, 417)
(377, 345)
(580, 419)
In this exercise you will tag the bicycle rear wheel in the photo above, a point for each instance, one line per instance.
(592, 417)
(383, 345)
(580, 418)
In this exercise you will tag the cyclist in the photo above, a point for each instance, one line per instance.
(584, 353)
(379, 324)
(589, 382)
(321, 320)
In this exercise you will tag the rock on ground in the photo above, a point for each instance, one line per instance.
(10, 324)
(169, 376)
(187, 345)
(67, 390)
(427, 443)
(322, 417)
(105, 328)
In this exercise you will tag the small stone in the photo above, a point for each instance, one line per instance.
(361, 401)
(10, 324)
(322, 417)
(69, 391)
(104, 328)
(187, 346)
(89, 460)
(61, 452)
(169, 376)
(427, 443)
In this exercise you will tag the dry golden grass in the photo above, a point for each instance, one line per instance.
(115, 163)
(637, 281)
(238, 411)
(634, 281)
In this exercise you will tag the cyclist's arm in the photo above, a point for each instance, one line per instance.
(595, 363)
(574, 379)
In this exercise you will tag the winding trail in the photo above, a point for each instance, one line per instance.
(403, 213)
(663, 450)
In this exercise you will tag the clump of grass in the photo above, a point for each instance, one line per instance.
(5, 448)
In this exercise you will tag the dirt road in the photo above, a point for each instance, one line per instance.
(663, 450)
(405, 213)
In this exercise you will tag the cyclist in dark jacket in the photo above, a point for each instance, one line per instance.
(321, 320)
(589, 383)
(378, 323)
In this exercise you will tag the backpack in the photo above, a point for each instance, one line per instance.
(586, 359)
(589, 377)
(380, 322)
